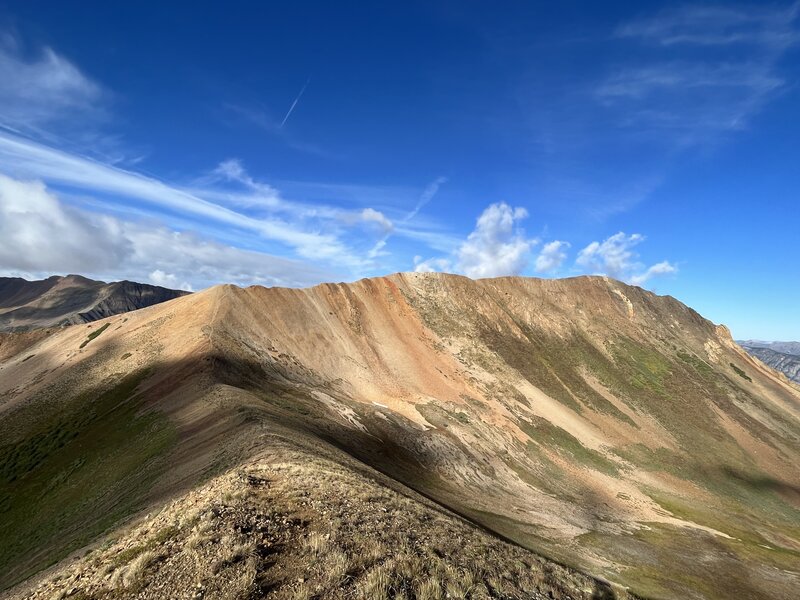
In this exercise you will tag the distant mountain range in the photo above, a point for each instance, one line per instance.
(781, 356)
(58, 301)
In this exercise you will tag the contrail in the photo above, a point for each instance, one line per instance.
(427, 196)
(296, 100)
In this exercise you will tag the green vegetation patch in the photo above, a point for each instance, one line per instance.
(556, 366)
(127, 555)
(94, 334)
(544, 433)
(439, 416)
(645, 369)
(68, 477)
(740, 373)
(699, 365)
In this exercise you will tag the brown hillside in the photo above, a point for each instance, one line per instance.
(593, 422)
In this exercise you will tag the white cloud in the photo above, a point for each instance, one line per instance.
(370, 215)
(617, 258)
(613, 257)
(432, 265)
(25, 158)
(662, 268)
(427, 195)
(40, 234)
(260, 194)
(169, 280)
(700, 96)
(41, 89)
(716, 26)
(551, 257)
(496, 247)
(690, 99)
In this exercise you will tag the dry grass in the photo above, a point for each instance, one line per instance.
(429, 589)
(376, 583)
(317, 543)
(315, 533)
(233, 554)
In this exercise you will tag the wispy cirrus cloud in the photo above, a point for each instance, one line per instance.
(427, 195)
(41, 88)
(26, 158)
(766, 26)
(40, 234)
(695, 98)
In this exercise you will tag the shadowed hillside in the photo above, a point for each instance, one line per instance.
(595, 423)
(57, 301)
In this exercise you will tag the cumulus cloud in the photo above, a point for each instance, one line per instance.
(497, 246)
(169, 280)
(551, 257)
(39, 234)
(616, 257)
(432, 265)
(662, 268)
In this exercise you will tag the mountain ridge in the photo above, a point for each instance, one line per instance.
(71, 299)
(786, 362)
(593, 422)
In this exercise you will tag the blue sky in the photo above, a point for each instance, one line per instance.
(188, 145)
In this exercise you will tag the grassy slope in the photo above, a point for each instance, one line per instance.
(71, 474)
(306, 521)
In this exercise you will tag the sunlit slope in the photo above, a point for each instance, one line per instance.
(595, 422)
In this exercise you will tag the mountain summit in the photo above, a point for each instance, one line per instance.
(58, 301)
(592, 422)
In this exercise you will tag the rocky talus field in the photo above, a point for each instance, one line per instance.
(413, 436)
